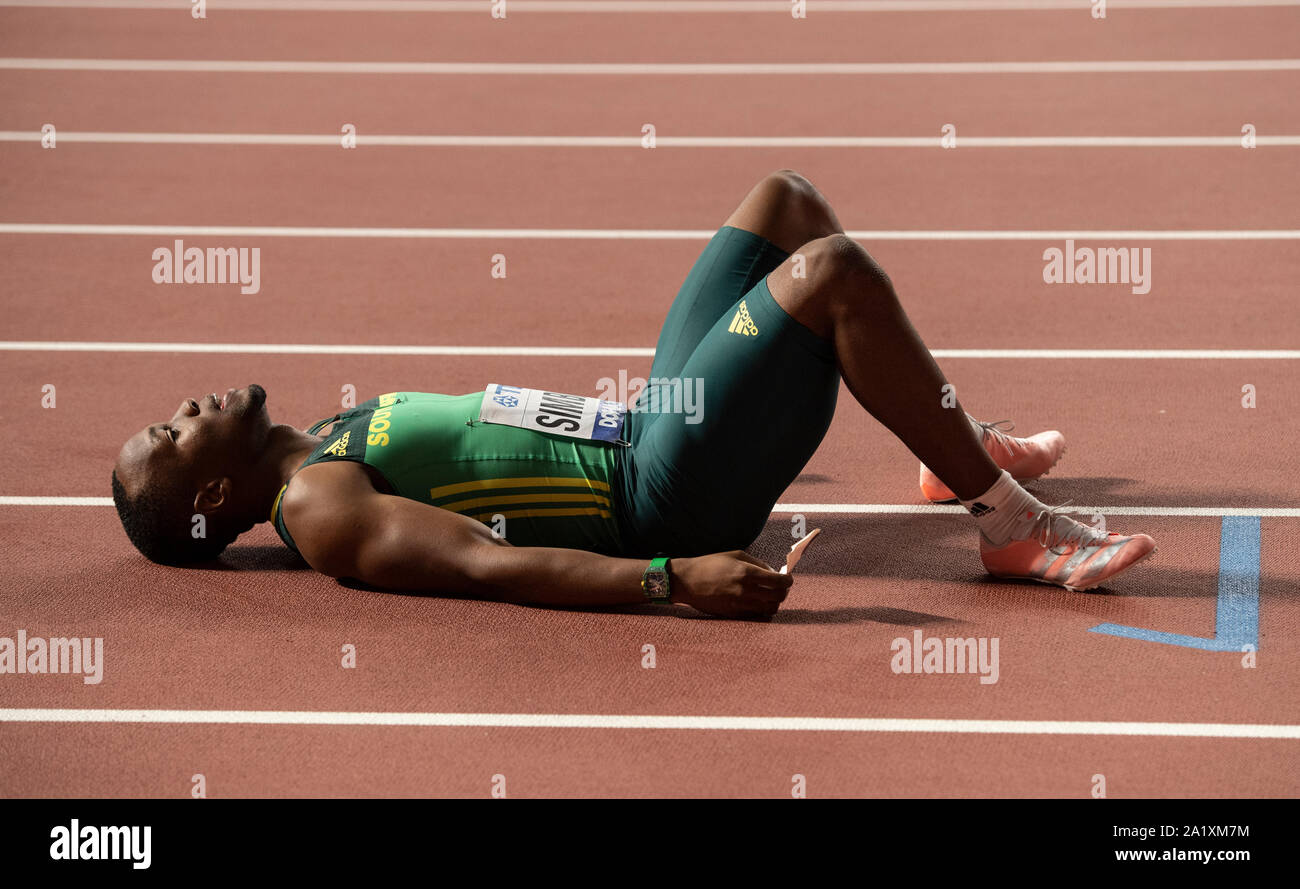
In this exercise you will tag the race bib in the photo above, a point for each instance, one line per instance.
(591, 419)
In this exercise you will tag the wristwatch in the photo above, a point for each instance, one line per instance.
(654, 581)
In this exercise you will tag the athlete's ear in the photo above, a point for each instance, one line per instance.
(211, 496)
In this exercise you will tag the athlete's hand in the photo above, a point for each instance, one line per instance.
(733, 584)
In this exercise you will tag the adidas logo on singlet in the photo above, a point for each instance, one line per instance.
(340, 447)
(742, 324)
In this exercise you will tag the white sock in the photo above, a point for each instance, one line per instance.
(1005, 511)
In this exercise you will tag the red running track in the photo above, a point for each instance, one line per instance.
(1150, 435)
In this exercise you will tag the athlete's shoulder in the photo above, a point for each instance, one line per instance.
(318, 508)
(323, 483)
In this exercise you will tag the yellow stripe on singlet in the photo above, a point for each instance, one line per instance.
(275, 507)
(498, 499)
(544, 481)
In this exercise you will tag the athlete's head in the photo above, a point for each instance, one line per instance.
(201, 462)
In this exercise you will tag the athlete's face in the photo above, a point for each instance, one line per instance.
(206, 440)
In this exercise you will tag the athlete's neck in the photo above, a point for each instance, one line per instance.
(286, 448)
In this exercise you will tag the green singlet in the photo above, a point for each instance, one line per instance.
(550, 489)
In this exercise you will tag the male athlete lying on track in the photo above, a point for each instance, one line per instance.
(400, 491)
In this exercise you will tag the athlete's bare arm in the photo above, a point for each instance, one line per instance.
(345, 528)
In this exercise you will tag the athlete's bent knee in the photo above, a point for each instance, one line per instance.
(791, 181)
(803, 210)
(798, 193)
(840, 274)
(828, 279)
(835, 259)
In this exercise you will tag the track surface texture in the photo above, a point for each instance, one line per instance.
(1179, 404)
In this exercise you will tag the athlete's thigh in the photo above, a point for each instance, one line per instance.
(762, 390)
(732, 263)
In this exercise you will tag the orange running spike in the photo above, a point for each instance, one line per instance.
(1066, 553)
(1024, 458)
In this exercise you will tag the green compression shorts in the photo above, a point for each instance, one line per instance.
(764, 390)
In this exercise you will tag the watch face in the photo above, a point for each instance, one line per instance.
(656, 583)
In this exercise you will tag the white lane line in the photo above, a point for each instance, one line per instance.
(1268, 512)
(1254, 731)
(647, 6)
(56, 501)
(661, 141)
(613, 351)
(635, 234)
(785, 69)
(1125, 354)
(302, 231)
(340, 349)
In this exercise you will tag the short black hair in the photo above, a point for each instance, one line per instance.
(158, 523)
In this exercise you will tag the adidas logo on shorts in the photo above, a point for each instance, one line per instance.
(742, 324)
(978, 509)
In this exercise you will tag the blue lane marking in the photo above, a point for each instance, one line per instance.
(1236, 620)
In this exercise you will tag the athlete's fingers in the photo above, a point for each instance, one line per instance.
(765, 598)
(754, 566)
(759, 599)
(769, 589)
(746, 557)
(770, 580)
